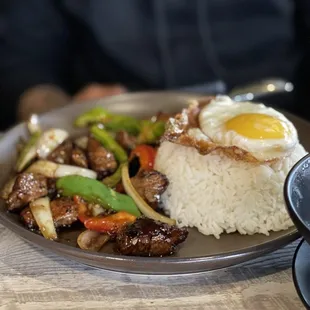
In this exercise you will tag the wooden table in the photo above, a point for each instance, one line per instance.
(33, 279)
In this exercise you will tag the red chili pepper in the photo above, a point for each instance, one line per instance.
(146, 155)
(109, 224)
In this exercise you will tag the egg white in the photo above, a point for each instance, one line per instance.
(212, 121)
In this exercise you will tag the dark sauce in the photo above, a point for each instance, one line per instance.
(134, 166)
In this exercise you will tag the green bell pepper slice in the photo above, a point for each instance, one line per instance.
(111, 121)
(96, 192)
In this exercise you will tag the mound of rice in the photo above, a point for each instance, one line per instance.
(218, 194)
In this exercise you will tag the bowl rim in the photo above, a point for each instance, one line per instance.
(302, 228)
(295, 277)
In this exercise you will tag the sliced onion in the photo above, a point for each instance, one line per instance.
(42, 213)
(40, 145)
(141, 204)
(28, 153)
(64, 170)
(82, 142)
(44, 167)
(50, 140)
(95, 209)
(92, 240)
(7, 188)
(33, 124)
(53, 170)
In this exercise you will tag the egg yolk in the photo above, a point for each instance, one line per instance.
(256, 126)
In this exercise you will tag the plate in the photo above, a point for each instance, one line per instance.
(301, 272)
(199, 253)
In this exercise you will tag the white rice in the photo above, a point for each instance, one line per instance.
(217, 194)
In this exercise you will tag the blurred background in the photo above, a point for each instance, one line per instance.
(53, 52)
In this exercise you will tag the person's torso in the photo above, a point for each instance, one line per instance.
(152, 44)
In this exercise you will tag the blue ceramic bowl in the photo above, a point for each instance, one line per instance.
(297, 196)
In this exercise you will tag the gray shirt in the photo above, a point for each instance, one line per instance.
(145, 44)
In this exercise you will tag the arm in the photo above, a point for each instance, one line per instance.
(33, 51)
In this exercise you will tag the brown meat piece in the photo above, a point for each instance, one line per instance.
(100, 159)
(28, 219)
(51, 187)
(146, 237)
(62, 154)
(64, 211)
(27, 187)
(79, 158)
(150, 184)
(127, 141)
(177, 127)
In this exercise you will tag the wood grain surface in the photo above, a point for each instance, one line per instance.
(33, 279)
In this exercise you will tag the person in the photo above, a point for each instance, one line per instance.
(53, 52)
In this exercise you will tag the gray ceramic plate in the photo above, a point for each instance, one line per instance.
(199, 252)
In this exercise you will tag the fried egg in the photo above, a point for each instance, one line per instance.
(262, 131)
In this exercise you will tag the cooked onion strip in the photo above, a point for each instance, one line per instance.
(42, 213)
(50, 140)
(44, 167)
(81, 142)
(64, 170)
(28, 153)
(40, 145)
(141, 204)
(92, 240)
(96, 209)
(33, 124)
(53, 170)
(7, 188)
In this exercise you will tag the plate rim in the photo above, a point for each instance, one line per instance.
(24, 232)
(35, 239)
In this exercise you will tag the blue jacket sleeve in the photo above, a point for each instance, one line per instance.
(33, 49)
